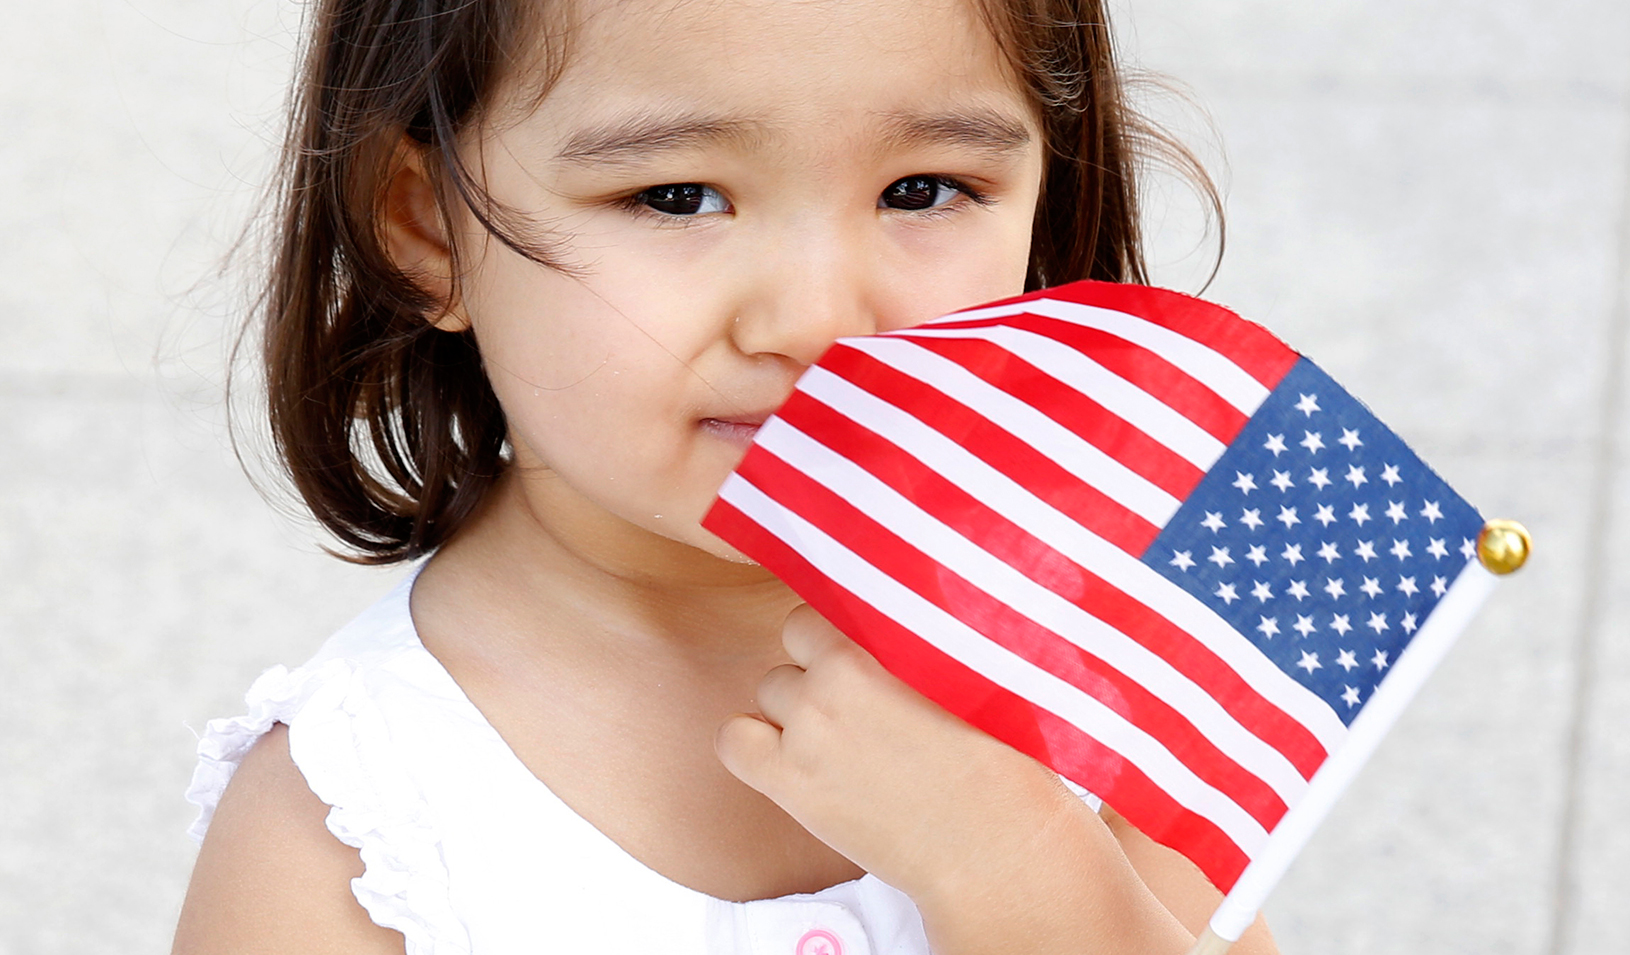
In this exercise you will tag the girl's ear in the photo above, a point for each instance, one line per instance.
(416, 237)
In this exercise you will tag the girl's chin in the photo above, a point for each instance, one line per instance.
(725, 551)
(707, 542)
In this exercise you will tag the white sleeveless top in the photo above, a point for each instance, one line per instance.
(464, 850)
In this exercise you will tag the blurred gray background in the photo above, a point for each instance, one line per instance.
(1431, 198)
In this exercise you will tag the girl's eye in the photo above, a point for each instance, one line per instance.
(683, 199)
(919, 192)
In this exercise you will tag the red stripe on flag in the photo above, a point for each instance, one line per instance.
(1255, 349)
(1039, 562)
(1149, 372)
(999, 712)
(1002, 625)
(991, 443)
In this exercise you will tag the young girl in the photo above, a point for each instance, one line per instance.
(543, 269)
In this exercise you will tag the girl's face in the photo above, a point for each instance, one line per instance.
(734, 183)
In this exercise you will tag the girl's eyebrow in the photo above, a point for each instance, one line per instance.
(631, 140)
(985, 130)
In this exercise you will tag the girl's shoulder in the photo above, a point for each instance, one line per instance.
(349, 712)
(375, 643)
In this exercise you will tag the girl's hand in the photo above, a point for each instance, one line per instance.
(875, 770)
(995, 851)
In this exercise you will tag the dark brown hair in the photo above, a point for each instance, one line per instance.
(386, 425)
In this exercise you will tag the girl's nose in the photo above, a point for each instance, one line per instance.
(813, 287)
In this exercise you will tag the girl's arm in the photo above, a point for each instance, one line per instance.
(1000, 857)
(270, 877)
(1071, 890)
(1180, 886)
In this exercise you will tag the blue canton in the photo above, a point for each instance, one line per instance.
(1321, 537)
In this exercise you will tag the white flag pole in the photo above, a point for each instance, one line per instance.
(1239, 909)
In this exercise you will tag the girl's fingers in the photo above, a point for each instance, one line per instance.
(807, 636)
(778, 693)
(748, 748)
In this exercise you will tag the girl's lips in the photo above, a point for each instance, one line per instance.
(735, 430)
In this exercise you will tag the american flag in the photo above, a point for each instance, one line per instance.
(1121, 529)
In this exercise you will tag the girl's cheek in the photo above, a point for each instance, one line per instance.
(936, 272)
(561, 334)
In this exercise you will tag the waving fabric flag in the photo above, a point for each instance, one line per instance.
(1128, 533)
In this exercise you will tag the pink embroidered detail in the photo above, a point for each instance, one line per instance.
(818, 941)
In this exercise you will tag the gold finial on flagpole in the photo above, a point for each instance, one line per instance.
(1503, 546)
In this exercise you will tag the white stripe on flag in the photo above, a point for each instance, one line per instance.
(1102, 471)
(996, 663)
(1001, 581)
(1115, 566)
(1210, 367)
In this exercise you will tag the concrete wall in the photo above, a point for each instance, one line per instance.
(1432, 198)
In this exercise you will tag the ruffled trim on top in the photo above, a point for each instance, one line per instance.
(273, 698)
(339, 741)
